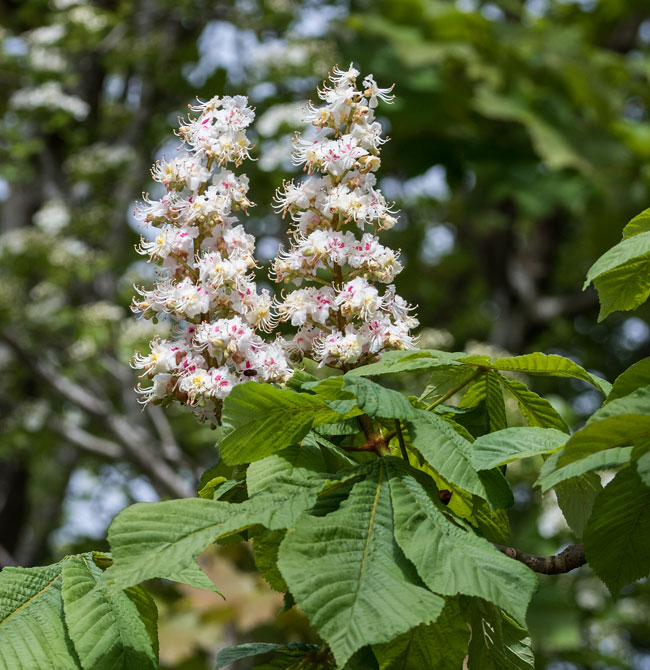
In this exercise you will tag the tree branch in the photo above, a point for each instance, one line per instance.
(135, 440)
(568, 559)
(95, 445)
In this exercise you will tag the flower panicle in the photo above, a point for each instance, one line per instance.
(334, 257)
(204, 260)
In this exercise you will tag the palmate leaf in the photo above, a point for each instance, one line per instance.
(511, 444)
(536, 410)
(361, 589)
(32, 629)
(621, 274)
(441, 645)
(617, 537)
(448, 559)
(260, 420)
(106, 629)
(497, 643)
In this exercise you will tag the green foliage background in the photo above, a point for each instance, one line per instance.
(520, 148)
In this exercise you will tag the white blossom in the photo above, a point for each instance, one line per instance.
(204, 259)
(50, 95)
(345, 320)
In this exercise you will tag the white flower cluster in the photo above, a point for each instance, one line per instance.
(50, 96)
(346, 321)
(204, 281)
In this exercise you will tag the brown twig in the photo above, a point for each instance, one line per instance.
(568, 559)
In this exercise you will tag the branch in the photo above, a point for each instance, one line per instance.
(168, 443)
(135, 441)
(568, 559)
(95, 445)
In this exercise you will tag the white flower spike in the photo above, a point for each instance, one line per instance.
(204, 258)
(345, 322)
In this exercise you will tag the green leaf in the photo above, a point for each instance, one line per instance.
(329, 388)
(636, 402)
(213, 485)
(639, 224)
(551, 475)
(494, 401)
(446, 378)
(621, 274)
(364, 659)
(298, 378)
(625, 287)
(512, 444)
(105, 628)
(474, 420)
(161, 539)
(497, 643)
(265, 551)
(643, 468)
(361, 590)
(259, 420)
(499, 493)
(407, 361)
(375, 400)
(450, 560)
(442, 645)
(492, 524)
(617, 431)
(576, 498)
(617, 537)
(298, 465)
(634, 377)
(475, 392)
(192, 575)
(148, 611)
(550, 365)
(446, 451)
(232, 654)
(628, 249)
(536, 410)
(32, 629)
(289, 660)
